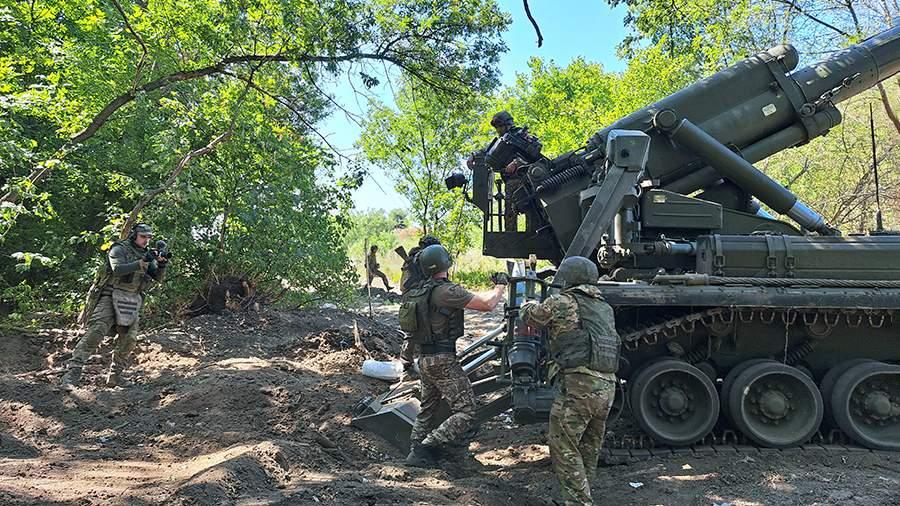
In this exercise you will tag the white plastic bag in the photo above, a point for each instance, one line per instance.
(391, 370)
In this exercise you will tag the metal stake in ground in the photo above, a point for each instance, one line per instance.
(368, 275)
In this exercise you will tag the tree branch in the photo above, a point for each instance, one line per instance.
(43, 170)
(173, 176)
(888, 109)
(144, 52)
(813, 18)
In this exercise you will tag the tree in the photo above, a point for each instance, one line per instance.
(419, 144)
(564, 106)
(100, 101)
(148, 50)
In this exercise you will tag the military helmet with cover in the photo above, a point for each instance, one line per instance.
(428, 240)
(434, 259)
(502, 119)
(576, 271)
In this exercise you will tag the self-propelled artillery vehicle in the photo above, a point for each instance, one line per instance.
(733, 323)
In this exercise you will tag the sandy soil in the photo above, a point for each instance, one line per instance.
(252, 408)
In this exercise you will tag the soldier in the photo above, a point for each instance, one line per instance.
(503, 123)
(584, 347)
(372, 268)
(413, 277)
(438, 306)
(116, 300)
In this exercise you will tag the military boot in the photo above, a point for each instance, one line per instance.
(71, 378)
(114, 378)
(422, 456)
(409, 373)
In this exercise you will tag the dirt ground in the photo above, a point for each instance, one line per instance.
(252, 408)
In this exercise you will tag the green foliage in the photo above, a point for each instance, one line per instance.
(98, 105)
(418, 145)
(564, 106)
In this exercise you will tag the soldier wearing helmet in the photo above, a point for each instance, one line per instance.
(503, 124)
(584, 347)
(441, 374)
(115, 301)
(412, 277)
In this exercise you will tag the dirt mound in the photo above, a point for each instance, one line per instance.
(253, 408)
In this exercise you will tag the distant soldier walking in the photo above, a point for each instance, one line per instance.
(584, 345)
(433, 316)
(372, 268)
(115, 300)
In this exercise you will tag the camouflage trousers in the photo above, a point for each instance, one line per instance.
(577, 425)
(408, 352)
(383, 276)
(101, 320)
(442, 377)
(510, 214)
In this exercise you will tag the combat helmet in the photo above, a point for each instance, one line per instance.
(502, 119)
(428, 240)
(576, 271)
(434, 259)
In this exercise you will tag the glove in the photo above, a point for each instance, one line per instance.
(500, 278)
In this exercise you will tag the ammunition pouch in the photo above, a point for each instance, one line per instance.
(127, 306)
(415, 314)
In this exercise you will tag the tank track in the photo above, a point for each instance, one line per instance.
(669, 329)
(633, 445)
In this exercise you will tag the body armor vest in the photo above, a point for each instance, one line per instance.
(595, 343)
(132, 282)
(455, 323)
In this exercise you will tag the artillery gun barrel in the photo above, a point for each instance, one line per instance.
(758, 107)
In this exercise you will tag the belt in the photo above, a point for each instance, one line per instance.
(432, 349)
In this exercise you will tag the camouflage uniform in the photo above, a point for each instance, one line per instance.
(372, 268)
(511, 184)
(442, 376)
(123, 272)
(578, 415)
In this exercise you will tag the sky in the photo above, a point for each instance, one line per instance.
(571, 28)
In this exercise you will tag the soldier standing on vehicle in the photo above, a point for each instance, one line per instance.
(372, 268)
(503, 123)
(584, 346)
(432, 314)
(116, 299)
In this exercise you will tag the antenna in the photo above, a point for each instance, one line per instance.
(879, 225)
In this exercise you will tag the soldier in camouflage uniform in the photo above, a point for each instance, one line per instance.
(503, 122)
(130, 268)
(372, 269)
(442, 376)
(584, 346)
(411, 277)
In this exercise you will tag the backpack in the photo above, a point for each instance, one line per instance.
(415, 313)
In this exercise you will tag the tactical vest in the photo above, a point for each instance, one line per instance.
(595, 344)
(134, 281)
(455, 323)
(418, 318)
